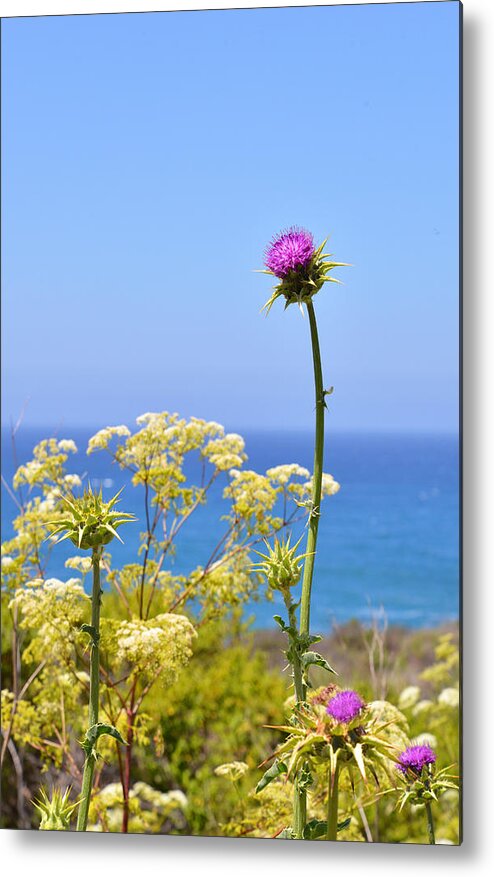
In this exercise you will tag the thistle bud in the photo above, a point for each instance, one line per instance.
(281, 566)
(88, 521)
(55, 813)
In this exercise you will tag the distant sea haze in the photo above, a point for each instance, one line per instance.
(389, 538)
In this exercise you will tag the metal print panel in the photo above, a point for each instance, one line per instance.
(230, 557)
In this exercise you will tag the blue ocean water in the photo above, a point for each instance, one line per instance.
(389, 538)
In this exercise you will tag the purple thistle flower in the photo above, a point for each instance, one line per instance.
(414, 758)
(289, 250)
(345, 706)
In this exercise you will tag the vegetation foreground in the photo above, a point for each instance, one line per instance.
(136, 700)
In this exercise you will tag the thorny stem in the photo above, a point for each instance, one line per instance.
(332, 829)
(430, 822)
(296, 664)
(316, 477)
(128, 760)
(300, 795)
(87, 777)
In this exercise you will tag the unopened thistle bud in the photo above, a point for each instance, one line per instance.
(301, 268)
(281, 566)
(88, 521)
(55, 813)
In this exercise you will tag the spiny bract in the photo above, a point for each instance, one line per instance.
(89, 522)
(302, 269)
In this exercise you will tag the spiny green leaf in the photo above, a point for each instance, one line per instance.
(113, 531)
(315, 828)
(95, 732)
(314, 658)
(319, 828)
(359, 758)
(93, 633)
(277, 768)
(280, 622)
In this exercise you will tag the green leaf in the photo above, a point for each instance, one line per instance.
(305, 779)
(344, 824)
(319, 828)
(95, 732)
(314, 829)
(315, 638)
(88, 628)
(277, 768)
(314, 658)
(359, 758)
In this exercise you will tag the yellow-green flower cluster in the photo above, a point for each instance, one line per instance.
(81, 564)
(156, 453)
(161, 646)
(226, 452)
(253, 498)
(52, 611)
(149, 808)
(409, 697)
(227, 583)
(328, 485)
(47, 465)
(21, 717)
(103, 437)
(284, 474)
(234, 770)
(44, 474)
(54, 695)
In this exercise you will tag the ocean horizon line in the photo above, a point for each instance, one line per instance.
(253, 429)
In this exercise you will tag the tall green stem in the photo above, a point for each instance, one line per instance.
(300, 795)
(300, 798)
(296, 663)
(332, 829)
(430, 822)
(316, 476)
(87, 777)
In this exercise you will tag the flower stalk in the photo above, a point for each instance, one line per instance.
(430, 822)
(90, 759)
(298, 680)
(317, 475)
(300, 795)
(90, 523)
(422, 784)
(302, 270)
(332, 818)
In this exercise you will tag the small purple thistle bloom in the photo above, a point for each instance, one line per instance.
(414, 758)
(345, 706)
(289, 250)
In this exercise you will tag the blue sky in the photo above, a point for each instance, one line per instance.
(148, 159)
